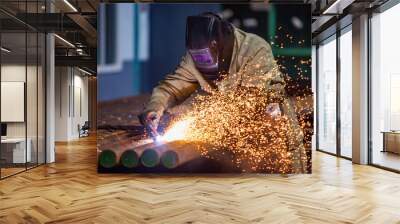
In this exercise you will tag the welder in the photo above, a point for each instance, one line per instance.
(221, 57)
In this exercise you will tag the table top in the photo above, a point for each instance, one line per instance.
(13, 140)
(391, 132)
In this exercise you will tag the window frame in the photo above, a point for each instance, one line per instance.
(339, 32)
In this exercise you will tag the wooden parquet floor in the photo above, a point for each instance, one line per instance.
(71, 191)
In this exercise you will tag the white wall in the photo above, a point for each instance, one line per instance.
(71, 102)
(61, 103)
(80, 105)
(12, 73)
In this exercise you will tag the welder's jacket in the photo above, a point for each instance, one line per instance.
(252, 65)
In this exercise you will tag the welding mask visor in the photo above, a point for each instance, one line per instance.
(201, 42)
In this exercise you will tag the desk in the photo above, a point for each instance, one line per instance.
(16, 147)
(391, 141)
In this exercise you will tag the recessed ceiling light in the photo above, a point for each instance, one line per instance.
(70, 5)
(64, 40)
(337, 7)
(84, 71)
(5, 50)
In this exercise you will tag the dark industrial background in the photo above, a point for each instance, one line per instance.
(286, 27)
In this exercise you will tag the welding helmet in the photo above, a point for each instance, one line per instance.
(209, 41)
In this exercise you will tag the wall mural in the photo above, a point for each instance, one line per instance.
(215, 88)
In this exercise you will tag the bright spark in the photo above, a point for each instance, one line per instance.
(177, 131)
(236, 121)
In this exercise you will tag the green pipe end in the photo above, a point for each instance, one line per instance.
(107, 158)
(170, 159)
(150, 158)
(129, 159)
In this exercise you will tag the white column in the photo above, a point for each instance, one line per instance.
(360, 90)
(50, 92)
(50, 98)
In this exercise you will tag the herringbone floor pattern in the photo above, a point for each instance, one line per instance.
(70, 191)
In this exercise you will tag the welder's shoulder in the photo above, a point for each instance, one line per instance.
(258, 43)
(252, 44)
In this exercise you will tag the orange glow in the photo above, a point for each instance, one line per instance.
(178, 131)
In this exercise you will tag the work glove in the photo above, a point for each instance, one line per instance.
(273, 110)
(150, 120)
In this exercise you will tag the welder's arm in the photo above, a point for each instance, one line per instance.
(175, 88)
(262, 71)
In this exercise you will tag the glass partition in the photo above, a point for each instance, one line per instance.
(385, 89)
(41, 97)
(14, 153)
(346, 92)
(326, 133)
(22, 77)
(34, 52)
(32, 98)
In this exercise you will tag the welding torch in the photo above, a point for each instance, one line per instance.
(150, 121)
(151, 128)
